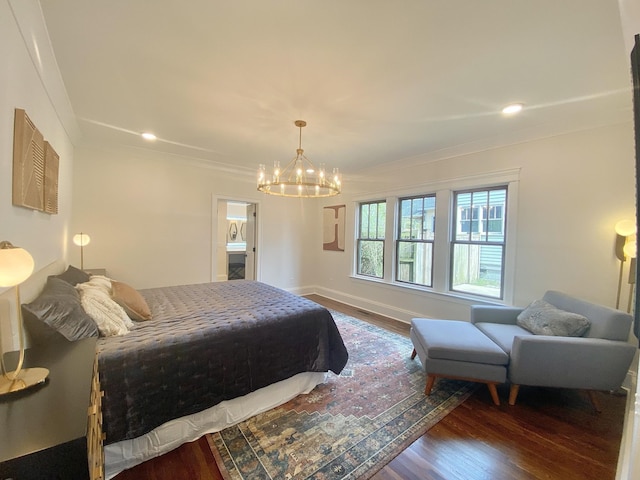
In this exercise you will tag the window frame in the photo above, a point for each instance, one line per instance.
(444, 190)
(484, 219)
(398, 240)
(360, 239)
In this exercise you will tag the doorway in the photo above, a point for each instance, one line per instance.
(236, 240)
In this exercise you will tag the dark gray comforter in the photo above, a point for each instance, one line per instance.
(207, 343)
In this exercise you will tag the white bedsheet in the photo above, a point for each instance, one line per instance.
(129, 453)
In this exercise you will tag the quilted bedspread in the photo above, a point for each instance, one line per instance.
(207, 343)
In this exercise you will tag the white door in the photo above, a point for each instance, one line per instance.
(250, 260)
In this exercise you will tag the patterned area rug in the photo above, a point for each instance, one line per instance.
(349, 427)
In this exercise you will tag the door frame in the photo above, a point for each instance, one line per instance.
(215, 199)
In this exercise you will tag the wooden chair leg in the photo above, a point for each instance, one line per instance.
(430, 381)
(494, 393)
(594, 400)
(513, 394)
(413, 354)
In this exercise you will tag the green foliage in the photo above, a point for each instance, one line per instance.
(371, 258)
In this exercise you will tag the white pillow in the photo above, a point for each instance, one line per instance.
(110, 317)
(104, 283)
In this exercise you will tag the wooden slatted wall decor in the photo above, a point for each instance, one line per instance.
(51, 161)
(28, 163)
(35, 167)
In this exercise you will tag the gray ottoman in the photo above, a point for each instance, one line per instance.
(457, 349)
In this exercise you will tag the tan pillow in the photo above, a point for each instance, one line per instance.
(131, 300)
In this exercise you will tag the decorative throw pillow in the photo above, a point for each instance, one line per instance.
(100, 281)
(73, 275)
(542, 318)
(57, 310)
(130, 299)
(110, 317)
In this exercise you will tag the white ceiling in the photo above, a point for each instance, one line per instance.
(376, 81)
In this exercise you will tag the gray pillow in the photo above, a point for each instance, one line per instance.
(542, 318)
(73, 275)
(58, 310)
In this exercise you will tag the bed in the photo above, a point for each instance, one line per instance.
(212, 355)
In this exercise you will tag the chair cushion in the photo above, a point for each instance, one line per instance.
(457, 340)
(502, 334)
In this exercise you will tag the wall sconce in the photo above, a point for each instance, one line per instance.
(16, 265)
(624, 230)
(81, 239)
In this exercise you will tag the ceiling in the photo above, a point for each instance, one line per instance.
(377, 81)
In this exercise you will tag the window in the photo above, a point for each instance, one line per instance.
(478, 243)
(448, 238)
(414, 246)
(371, 229)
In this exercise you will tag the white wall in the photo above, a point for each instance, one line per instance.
(152, 218)
(572, 190)
(32, 83)
(21, 84)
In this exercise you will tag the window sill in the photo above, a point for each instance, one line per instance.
(453, 296)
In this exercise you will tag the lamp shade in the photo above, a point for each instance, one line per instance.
(625, 228)
(81, 239)
(16, 265)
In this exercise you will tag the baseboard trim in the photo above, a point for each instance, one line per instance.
(399, 314)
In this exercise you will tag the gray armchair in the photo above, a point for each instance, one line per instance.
(598, 360)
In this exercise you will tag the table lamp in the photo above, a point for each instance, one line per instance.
(16, 265)
(81, 239)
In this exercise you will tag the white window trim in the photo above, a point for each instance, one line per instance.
(443, 190)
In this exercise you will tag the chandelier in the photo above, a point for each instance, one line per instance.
(299, 178)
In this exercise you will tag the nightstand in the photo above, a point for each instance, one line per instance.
(54, 430)
(96, 271)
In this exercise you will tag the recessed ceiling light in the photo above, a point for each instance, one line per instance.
(513, 108)
(149, 136)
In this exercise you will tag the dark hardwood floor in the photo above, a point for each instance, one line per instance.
(548, 434)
